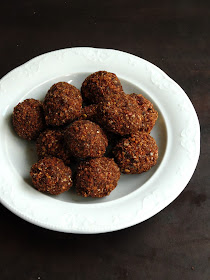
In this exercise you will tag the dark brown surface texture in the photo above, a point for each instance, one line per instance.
(174, 35)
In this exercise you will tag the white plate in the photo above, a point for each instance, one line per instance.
(137, 197)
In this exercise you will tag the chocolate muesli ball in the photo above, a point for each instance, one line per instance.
(51, 143)
(85, 139)
(62, 104)
(28, 119)
(89, 113)
(149, 114)
(51, 175)
(136, 154)
(121, 116)
(97, 177)
(99, 85)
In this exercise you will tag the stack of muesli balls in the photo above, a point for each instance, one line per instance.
(101, 130)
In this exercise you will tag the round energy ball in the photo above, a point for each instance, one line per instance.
(89, 113)
(85, 139)
(149, 114)
(62, 104)
(28, 119)
(51, 175)
(97, 177)
(99, 85)
(121, 116)
(51, 143)
(136, 154)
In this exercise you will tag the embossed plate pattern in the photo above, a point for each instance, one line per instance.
(136, 198)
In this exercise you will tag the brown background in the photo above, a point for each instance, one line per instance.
(174, 35)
